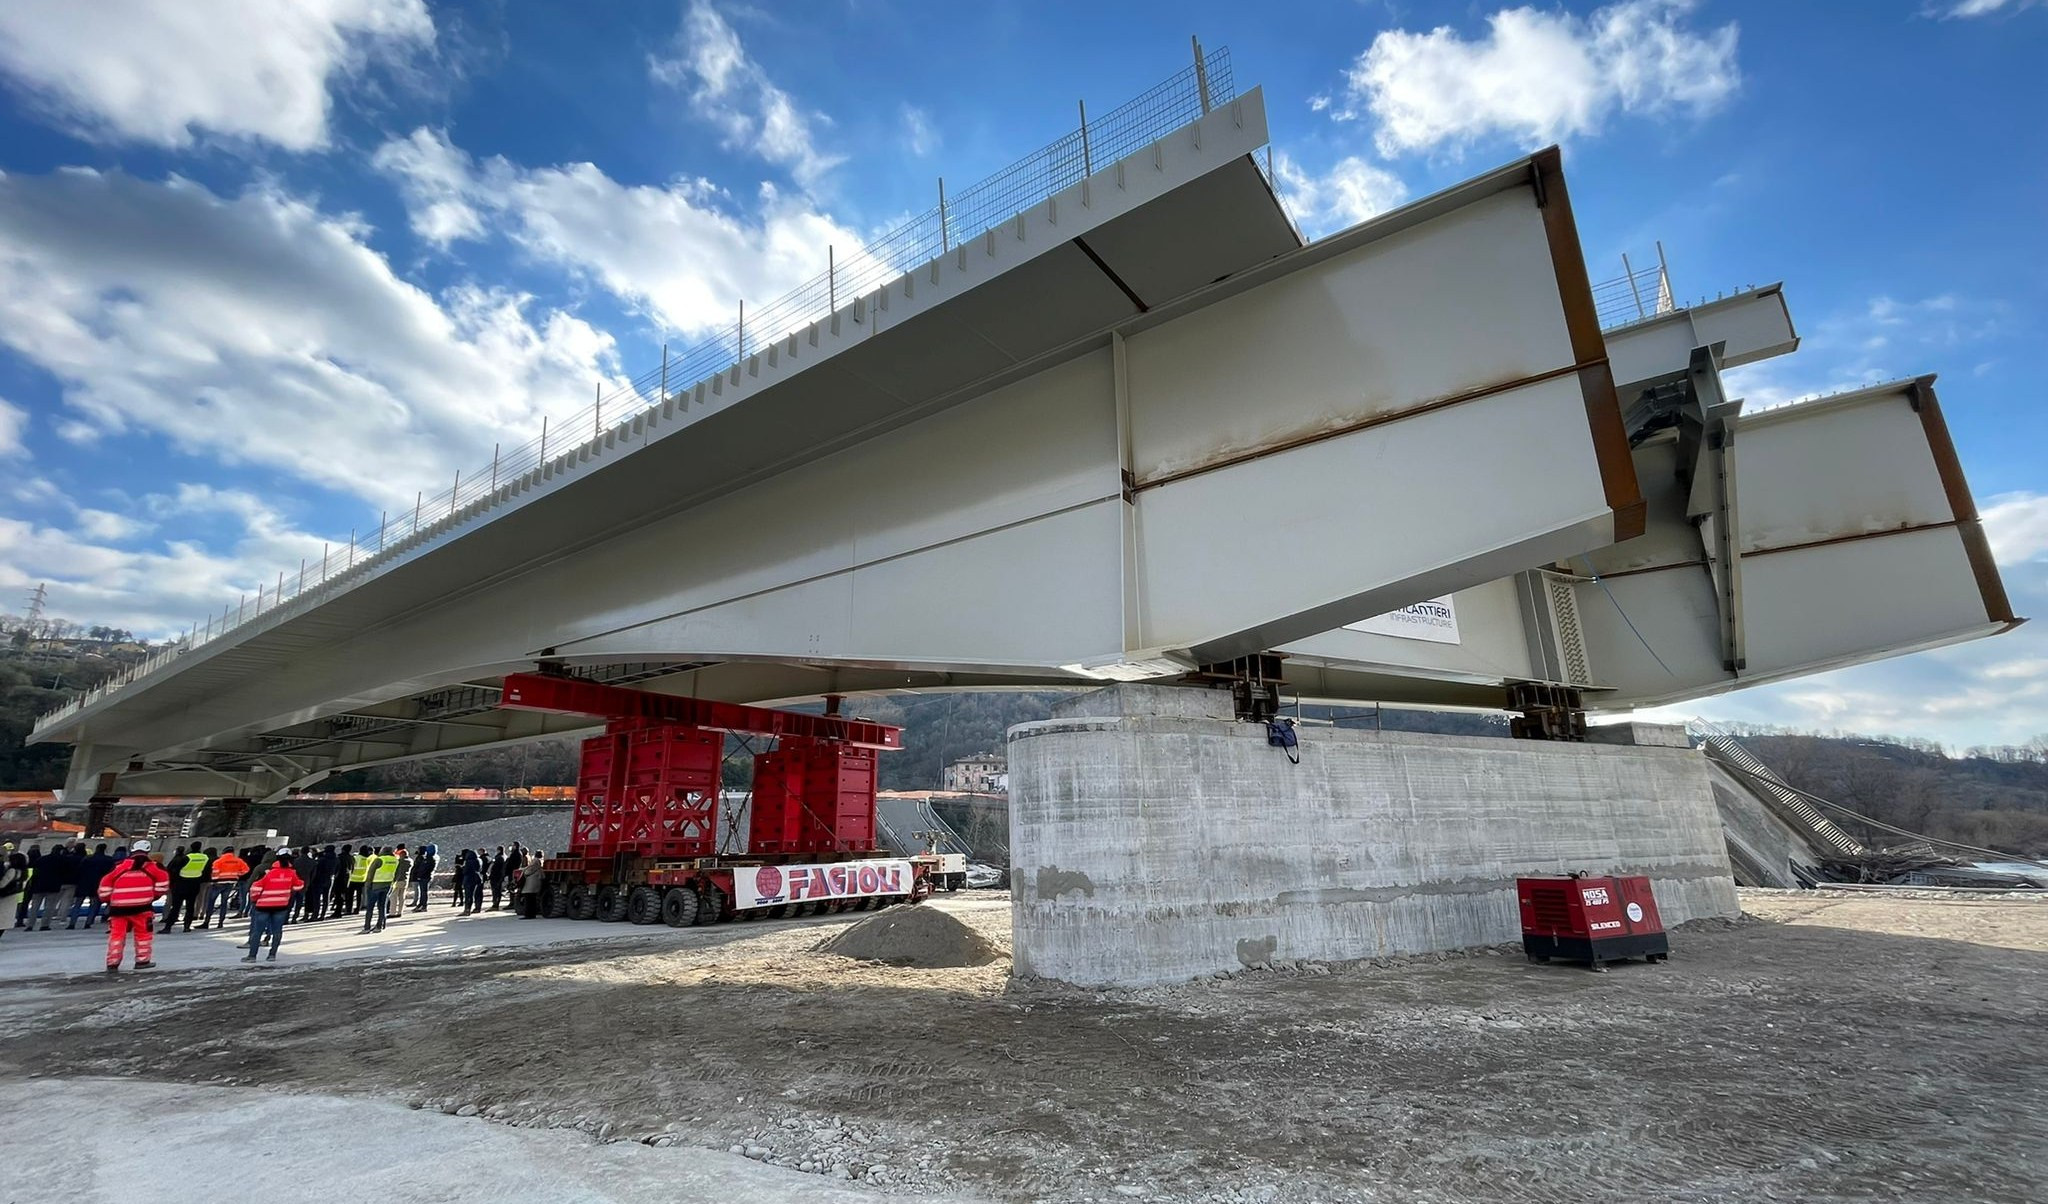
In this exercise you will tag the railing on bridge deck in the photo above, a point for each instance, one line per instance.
(957, 218)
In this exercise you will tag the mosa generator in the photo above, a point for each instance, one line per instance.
(1591, 920)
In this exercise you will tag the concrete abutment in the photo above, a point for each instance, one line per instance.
(1155, 839)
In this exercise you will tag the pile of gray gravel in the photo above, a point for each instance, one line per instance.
(907, 935)
(545, 830)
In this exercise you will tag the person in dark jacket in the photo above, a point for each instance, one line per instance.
(319, 874)
(344, 865)
(495, 873)
(55, 871)
(13, 879)
(93, 867)
(29, 858)
(423, 876)
(469, 882)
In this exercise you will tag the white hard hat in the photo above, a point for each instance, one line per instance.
(140, 846)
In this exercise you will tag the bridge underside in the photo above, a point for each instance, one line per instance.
(1139, 430)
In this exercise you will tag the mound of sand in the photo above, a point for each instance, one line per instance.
(921, 937)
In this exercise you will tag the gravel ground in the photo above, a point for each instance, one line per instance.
(1826, 1049)
(546, 830)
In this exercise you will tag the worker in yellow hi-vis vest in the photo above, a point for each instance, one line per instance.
(358, 878)
(383, 871)
(188, 879)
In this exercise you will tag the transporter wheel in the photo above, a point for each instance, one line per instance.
(921, 889)
(710, 905)
(582, 901)
(643, 905)
(679, 907)
(611, 903)
(554, 900)
(953, 882)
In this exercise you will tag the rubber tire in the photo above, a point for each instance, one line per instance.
(612, 903)
(953, 882)
(710, 905)
(643, 905)
(582, 901)
(679, 907)
(554, 901)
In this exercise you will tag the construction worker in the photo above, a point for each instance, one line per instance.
(395, 902)
(383, 871)
(270, 897)
(13, 880)
(223, 874)
(344, 869)
(96, 865)
(359, 877)
(423, 876)
(188, 878)
(131, 890)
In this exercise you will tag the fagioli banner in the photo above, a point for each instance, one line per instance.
(774, 885)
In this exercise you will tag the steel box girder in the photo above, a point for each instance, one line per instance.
(573, 696)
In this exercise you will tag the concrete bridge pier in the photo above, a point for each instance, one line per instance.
(1156, 839)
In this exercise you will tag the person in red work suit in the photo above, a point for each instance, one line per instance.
(270, 897)
(131, 890)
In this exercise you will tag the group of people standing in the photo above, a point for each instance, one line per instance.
(210, 885)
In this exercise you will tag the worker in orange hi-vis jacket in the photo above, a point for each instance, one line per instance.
(270, 897)
(131, 890)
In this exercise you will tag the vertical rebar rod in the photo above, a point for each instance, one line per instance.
(664, 374)
(1663, 279)
(351, 549)
(543, 442)
(743, 332)
(1201, 74)
(383, 519)
(831, 280)
(597, 415)
(455, 493)
(945, 235)
(1629, 274)
(419, 498)
(494, 468)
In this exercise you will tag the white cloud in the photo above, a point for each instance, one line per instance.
(106, 526)
(1982, 8)
(1539, 76)
(257, 329)
(731, 91)
(1987, 692)
(433, 176)
(1350, 192)
(672, 250)
(2017, 525)
(919, 134)
(163, 71)
(155, 592)
(13, 425)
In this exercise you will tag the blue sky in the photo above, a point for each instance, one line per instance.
(267, 269)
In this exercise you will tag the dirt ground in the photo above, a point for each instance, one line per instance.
(1826, 1048)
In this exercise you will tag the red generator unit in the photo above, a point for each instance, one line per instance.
(1591, 920)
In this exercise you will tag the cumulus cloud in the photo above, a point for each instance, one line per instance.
(1981, 8)
(675, 250)
(434, 178)
(257, 329)
(13, 426)
(156, 592)
(1350, 192)
(1539, 76)
(163, 71)
(2017, 526)
(731, 91)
